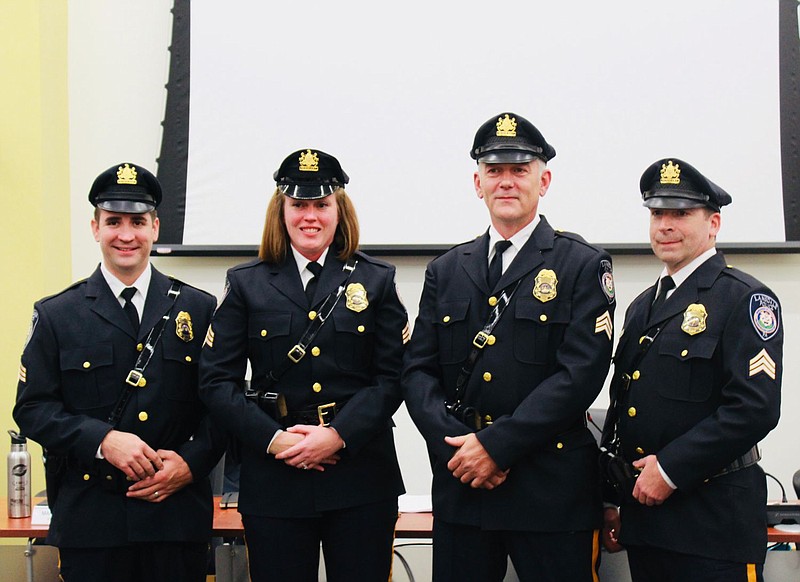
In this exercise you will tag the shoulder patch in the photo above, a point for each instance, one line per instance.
(32, 328)
(765, 315)
(225, 290)
(606, 276)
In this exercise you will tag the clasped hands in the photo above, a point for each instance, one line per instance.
(156, 474)
(472, 465)
(306, 446)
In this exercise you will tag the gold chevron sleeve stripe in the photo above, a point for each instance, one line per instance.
(762, 362)
(604, 323)
(209, 341)
(23, 374)
(406, 334)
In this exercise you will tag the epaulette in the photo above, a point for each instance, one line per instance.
(741, 276)
(75, 285)
(372, 260)
(247, 265)
(577, 238)
(185, 284)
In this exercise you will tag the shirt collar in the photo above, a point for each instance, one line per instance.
(518, 240)
(301, 261)
(683, 273)
(142, 284)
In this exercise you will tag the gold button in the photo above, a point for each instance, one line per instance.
(446, 318)
(263, 333)
(492, 300)
(490, 340)
(361, 329)
(641, 339)
(559, 445)
(139, 347)
(143, 416)
(142, 382)
(487, 419)
(317, 387)
(640, 450)
(312, 315)
(636, 375)
(487, 376)
(86, 364)
(188, 358)
(631, 412)
(542, 317)
(109, 477)
(86, 476)
(684, 353)
(315, 351)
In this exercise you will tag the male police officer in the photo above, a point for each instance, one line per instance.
(511, 345)
(133, 499)
(696, 385)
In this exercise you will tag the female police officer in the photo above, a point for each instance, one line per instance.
(323, 329)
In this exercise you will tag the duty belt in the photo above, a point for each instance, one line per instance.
(748, 459)
(321, 415)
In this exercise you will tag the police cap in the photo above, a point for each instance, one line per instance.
(127, 188)
(509, 138)
(673, 183)
(310, 174)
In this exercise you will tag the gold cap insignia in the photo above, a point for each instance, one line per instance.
(126, 175)
(183, 326)
(694, 319)
(670, 173)
(544, 287)
(356, 297)
(309, 161)
(506, 126)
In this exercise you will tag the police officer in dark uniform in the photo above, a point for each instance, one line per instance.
(133, 498)
(511, 345)
(696, 386)
(323, 330)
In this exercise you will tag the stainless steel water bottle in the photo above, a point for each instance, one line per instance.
(19, 477)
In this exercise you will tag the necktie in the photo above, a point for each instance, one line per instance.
(666, 285)
(311, 286)
(129, 308)
(496, 266)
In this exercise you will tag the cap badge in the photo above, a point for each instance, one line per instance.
(356, 297)
(506, 126)
(309, 161)
(183, 326)
(670, 173)
(694, 319)
(544, 286)
(126, 175)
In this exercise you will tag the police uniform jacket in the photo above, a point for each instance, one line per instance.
(705, 392)
(354, 362)
(544, 365)
(80, 351)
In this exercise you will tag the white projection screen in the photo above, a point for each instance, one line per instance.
(396, 92)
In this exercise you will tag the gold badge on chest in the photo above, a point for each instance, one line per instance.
(183, 326)
(694, 319)
(356, 297)
(544, 286)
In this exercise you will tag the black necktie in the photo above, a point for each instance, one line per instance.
(311, 286)
(496, 266)
(129, 308)
(667, 284)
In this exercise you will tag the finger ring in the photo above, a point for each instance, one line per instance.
(304, 466)
(155, 494)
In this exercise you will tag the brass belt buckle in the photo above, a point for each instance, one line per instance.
(134, 376)
(296, 353)
(480, 339)
(323, 410)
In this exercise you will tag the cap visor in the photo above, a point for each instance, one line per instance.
(507, 157)
(126, 206)
(670, 202)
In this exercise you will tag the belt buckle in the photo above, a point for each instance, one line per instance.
(133, 377)
(296, 353)
(480, 339)
(323, 410)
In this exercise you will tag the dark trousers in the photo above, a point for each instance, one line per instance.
(462, 553)
(357, 544)
(143, 562)
(656, 565)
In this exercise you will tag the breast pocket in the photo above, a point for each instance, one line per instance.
(355, 339)
(268, 335)
(688, 370)
(537, 327)
(455, 338)
(180, 370)
(87, 374)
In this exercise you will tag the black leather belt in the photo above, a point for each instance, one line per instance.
(748, 459)
(321, 415)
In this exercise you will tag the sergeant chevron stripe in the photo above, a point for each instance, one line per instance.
(209, 341)
(762, 363)
(604, 323)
